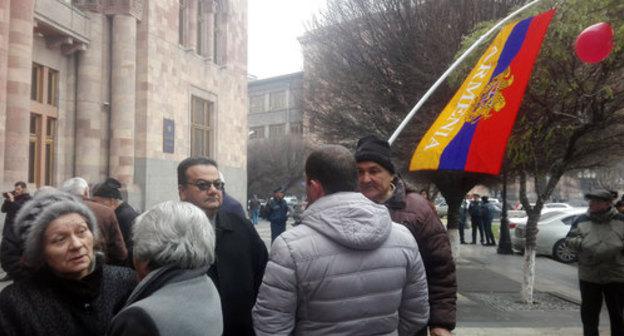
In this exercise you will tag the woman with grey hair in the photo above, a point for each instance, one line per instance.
(174, 246)
(68, 291)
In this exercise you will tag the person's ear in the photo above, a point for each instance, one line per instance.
(316, 188)
(181, 193)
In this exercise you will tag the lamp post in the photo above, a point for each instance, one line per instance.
(504, 239)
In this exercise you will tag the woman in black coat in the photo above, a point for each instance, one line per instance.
(69, 291)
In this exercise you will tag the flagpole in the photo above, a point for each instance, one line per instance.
(448, 71)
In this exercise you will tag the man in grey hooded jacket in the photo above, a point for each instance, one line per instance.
(347, 269)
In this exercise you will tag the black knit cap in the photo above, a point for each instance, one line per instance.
(109, 189)
(371, 148)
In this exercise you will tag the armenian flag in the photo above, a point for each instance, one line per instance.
(472, 131)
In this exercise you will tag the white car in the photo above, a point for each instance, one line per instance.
(553, 228)
(557, 206)
(521, 217)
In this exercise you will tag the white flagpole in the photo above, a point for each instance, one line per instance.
(448, 71)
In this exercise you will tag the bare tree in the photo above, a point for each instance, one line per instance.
(368, 62)
(572, 115)
(276, 162)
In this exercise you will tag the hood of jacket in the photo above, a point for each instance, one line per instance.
(350, 219)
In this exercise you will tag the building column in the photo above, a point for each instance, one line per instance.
(123, 98)
(4, 47)
(192, 24)
(19, 74)
(208, 27)
(89, 126)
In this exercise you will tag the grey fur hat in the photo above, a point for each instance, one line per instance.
(34, 217)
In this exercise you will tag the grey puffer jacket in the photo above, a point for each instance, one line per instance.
(346, 270)
(598, 240)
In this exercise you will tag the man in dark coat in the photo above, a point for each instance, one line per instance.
(486, 219)
(10, 252)
(277, 213)
(379, 182)
(241, 255)
(108, 194)
(474, 209)
(463, 218)
(230, 204)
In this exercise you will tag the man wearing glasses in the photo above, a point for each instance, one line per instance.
(241, 254)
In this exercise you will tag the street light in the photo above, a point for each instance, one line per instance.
(504, 239)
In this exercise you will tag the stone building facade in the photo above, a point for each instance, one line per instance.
(122, 88)
(276, 106)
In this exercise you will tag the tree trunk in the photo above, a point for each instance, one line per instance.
(528, 280)
(530, 237)
(454, 201)
(454, 186)
(453, 235)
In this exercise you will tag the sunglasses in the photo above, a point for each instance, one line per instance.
(204, 185)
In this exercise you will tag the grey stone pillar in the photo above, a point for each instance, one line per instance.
(192, 24)
(90, 129)
(19, 73)
(123, 98)
(208, 26)
(5, 7)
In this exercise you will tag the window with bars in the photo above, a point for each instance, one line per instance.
(277, 100)
(256, 132)
(296, 128)
(201, 127)
(295, 99)
(276, 131)
(256, 104)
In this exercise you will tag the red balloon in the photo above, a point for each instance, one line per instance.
(595, 43)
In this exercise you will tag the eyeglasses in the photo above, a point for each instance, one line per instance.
(204, 185)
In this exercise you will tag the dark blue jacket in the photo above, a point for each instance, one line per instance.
(231, 205)
(278, 211)
(486, 212)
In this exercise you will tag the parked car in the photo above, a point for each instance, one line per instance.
(291, 201)
(553, 228)
(557, 206)
(521, 218)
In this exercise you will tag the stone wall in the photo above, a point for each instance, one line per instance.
(168, 74)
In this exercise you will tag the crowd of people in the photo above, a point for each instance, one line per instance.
(370, 256)
(481, 213)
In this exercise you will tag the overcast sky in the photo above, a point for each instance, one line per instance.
(274, 26)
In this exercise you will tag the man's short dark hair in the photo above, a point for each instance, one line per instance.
(21, 184)
(190, 162)
(334, 167)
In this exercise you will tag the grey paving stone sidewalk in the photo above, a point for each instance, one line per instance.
(489, 297)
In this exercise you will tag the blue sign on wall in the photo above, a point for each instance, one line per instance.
(168, 135)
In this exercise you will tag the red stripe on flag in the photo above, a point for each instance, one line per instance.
(486, 142)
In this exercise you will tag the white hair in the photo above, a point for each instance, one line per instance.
(75, 186)
(174, 233)
(221, 177)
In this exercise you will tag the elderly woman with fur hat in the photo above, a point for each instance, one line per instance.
(69, 291)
